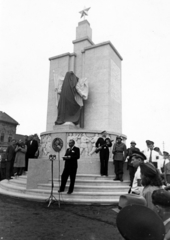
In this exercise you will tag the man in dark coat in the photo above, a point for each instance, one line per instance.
(10, 157)
(2, 164)
(119, 151)
(130, 167)
(68, 109)
(70, 169)
(32, 149)
(103, 145)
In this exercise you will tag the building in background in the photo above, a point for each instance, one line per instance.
(8, 127)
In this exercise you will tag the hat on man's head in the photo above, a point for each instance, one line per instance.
(119, 137)
(138, 155)
(133, 142)
(148, 142)
(143, 224)
(165, 153)
(148, 169)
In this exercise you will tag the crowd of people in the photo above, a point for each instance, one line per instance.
(122, 154)
(14, 160)
(149, 172)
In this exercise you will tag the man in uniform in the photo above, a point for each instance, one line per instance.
(103, 143)
(137, 158)
(119, 153)
(70, 169)
(130, 167)
(151, 155)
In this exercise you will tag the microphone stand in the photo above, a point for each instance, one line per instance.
(59, 178)
(52, 198)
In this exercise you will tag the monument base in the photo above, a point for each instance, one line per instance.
(39, 170)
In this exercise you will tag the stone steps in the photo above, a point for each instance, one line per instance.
(83, 188)
(92, 189)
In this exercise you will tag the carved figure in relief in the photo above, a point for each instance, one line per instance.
(58, 82)
(82, 91)
(69, 137)
(48, 145)
(75, 138)
(45, 146)
(41, 147)
(93, 141)
(83, 144)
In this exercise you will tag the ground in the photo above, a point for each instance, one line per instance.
(27, 220)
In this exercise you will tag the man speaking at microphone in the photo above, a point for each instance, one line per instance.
(70, 169)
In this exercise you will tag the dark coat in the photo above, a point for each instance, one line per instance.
(75, 155)
(32, 148)
(104, 152)
(3, 160)
(119, 151)
(129, 153)
(10, 153)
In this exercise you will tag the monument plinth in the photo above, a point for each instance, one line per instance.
(100, 64)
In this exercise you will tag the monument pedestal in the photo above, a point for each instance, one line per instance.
(89, 163)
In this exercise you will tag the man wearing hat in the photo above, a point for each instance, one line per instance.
(130, 167)
(166, 167)
(119, 154)
(161, 200)
(103, 143)
(137, 159)
(151, 155)
(165, 160)
(137, 222)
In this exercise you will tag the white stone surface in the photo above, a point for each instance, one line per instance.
(101, 65)
(83, 30)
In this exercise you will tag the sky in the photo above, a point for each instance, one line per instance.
(32, 31)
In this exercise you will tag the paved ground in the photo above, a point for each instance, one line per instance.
(25, 220)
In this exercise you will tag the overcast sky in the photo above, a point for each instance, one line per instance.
(32, 31)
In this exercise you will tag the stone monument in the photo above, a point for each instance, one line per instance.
(100, 66)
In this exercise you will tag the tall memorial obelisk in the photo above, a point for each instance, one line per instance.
(100, 64)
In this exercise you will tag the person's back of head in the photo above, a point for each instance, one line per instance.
(150, 175)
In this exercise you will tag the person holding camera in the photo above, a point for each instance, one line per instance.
(19, 163)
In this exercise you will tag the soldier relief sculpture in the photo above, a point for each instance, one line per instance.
(71, 91)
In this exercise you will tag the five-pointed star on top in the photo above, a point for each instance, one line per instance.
(84, 12)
